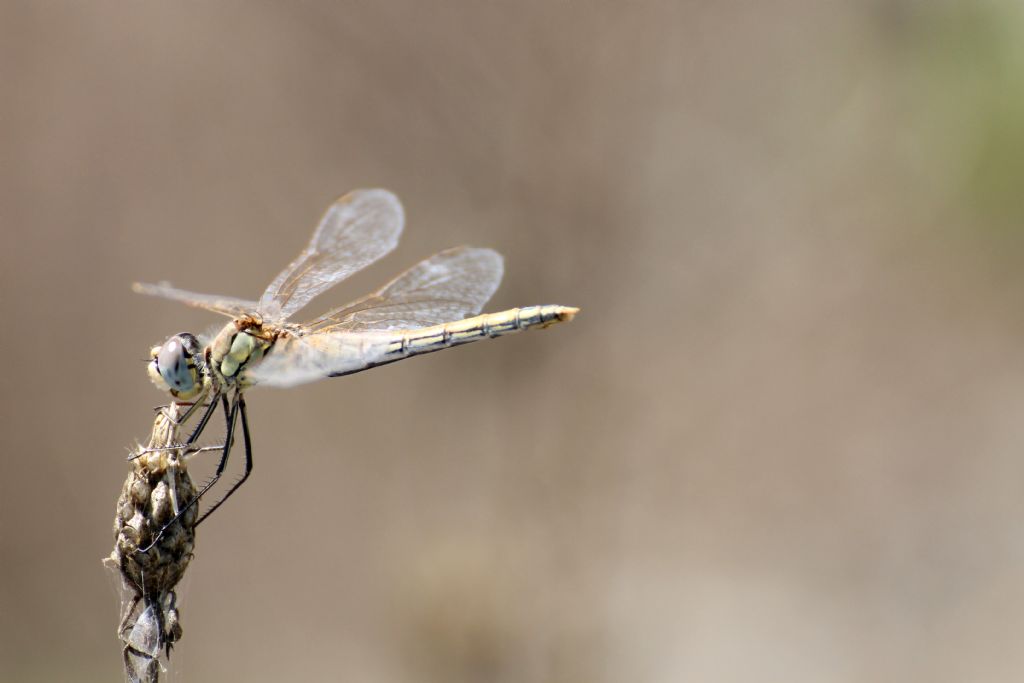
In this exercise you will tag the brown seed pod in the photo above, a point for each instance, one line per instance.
(157, 488)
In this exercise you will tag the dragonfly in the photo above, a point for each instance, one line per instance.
(432, 306)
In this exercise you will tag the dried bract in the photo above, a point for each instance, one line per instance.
(157, 488)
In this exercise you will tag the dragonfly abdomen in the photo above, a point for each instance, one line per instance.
(488, 325)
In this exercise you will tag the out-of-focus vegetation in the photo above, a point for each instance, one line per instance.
(962, 66)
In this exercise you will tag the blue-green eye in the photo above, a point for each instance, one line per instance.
(175, 365)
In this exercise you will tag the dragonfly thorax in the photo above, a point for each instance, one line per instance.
(241, 342)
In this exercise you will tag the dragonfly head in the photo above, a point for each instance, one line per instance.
(175, 366)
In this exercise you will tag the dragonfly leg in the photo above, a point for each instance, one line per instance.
(183, 447)
(210, 407)
(193, 406)
(229, 437)
(239, 404)
(208, 414)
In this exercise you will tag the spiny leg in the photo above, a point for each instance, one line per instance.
(210, 407)
(229, 437)
(188, 450)
(207, 415)
(193, 407)
(240, 403)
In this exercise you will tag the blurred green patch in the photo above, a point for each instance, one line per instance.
(969, 57)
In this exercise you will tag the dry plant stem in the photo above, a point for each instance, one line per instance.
(157, 487)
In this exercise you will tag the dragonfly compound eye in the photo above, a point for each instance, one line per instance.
(176, 366)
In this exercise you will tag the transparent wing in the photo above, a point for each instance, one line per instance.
(207, 336)
(450, 285)
(357, 229)
(224, 305)
(297, 360)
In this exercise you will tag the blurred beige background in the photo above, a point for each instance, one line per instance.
(782, 442)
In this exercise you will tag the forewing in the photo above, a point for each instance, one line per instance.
(450, 285)
(357, 229)
(224, 305)
(297, 360)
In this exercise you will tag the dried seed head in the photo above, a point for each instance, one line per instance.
(157, 488)
(139, 519)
